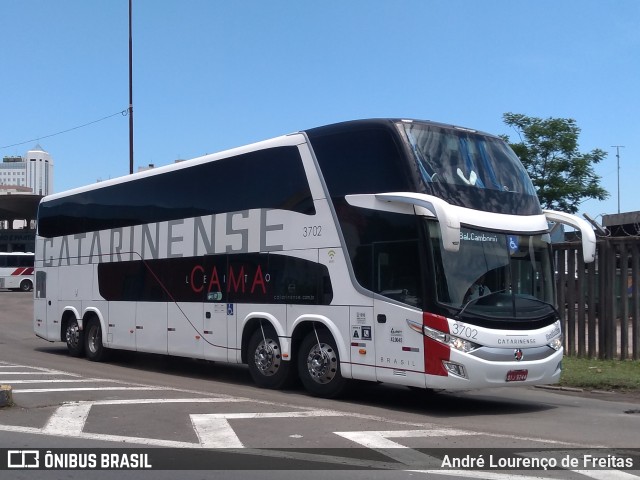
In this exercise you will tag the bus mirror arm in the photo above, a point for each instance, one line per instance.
(404, 202)
(588, 235)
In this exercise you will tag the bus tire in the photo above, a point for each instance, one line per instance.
(319, 365)
(26, 285)
(264, 357)
(74, 338)
(94, 349)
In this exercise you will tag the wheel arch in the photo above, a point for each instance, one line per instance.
(93, 312)
(305, 324)
(252, 322)
(67, 314)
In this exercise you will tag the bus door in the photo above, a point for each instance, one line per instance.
(397, 282)
(45, 309)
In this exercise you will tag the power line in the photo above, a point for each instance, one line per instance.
(124, 113)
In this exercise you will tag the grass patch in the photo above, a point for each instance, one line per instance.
(593, 374)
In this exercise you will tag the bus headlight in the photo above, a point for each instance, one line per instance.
(456, 343)
(556, 343)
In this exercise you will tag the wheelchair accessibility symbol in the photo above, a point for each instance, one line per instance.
(513, 243)
(229, 308)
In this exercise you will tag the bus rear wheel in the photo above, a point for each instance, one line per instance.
(319, 365)
(95, 350)
(74, 338)
(26, 285)
(264, 356)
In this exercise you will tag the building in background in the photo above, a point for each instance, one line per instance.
(34, 171)
(23, 182)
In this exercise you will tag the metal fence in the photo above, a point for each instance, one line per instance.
(599, 302)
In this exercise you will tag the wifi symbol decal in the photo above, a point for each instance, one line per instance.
(331, 254)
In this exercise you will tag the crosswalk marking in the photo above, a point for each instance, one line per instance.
(82, 389)
(215, 430)
(57, 380)
(379, 441)
(68, 420)
(607, 474)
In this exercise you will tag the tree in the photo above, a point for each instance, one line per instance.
(562, 176)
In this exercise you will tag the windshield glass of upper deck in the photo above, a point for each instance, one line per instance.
(470, 169)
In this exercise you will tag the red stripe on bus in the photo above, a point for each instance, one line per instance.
(22, 271)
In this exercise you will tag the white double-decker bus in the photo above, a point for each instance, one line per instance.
(16, 270)
(398, 251)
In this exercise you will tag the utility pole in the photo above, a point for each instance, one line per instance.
(618, 147)
(130, 93)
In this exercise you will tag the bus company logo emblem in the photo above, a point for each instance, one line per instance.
(518, 354)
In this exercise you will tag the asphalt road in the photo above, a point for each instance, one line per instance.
(204, 418)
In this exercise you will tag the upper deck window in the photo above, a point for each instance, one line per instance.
(271, 178)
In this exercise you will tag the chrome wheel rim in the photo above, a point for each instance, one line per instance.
(322, 363)
(94, 339)
(267, 357)
(73, 335)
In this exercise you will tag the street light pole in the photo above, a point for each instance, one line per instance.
(618, 147)
(130, 93)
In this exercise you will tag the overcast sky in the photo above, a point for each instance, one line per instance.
(214, 74)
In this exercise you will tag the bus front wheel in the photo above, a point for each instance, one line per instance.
(95, 350)
(264, 356)
(319, 365)
(74, 338)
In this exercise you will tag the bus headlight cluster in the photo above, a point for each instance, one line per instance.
(456, 343)
(556, 343)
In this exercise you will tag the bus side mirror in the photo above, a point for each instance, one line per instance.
(588, 236)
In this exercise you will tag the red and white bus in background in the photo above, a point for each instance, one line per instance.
(388, 250)
(16, 270)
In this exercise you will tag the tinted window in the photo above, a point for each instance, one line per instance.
(272, 178)
(360, 161)
(384, 252)
(251, 277)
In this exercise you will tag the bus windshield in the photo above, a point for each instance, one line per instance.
(495, 275)
(470, 169)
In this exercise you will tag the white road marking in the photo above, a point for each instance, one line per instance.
(484, 475)
(39, 369)
(379, 441)
(68, 420)
(39, 373)
(607, 474)
(136, 401)
(82, 389)
(214, 431)
(52, 380)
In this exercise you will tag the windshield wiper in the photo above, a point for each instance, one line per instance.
(458, 315)
(536, 299)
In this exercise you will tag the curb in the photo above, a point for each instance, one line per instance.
(563, 389)
(6, 397)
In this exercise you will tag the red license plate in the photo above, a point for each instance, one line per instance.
(517, 375)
